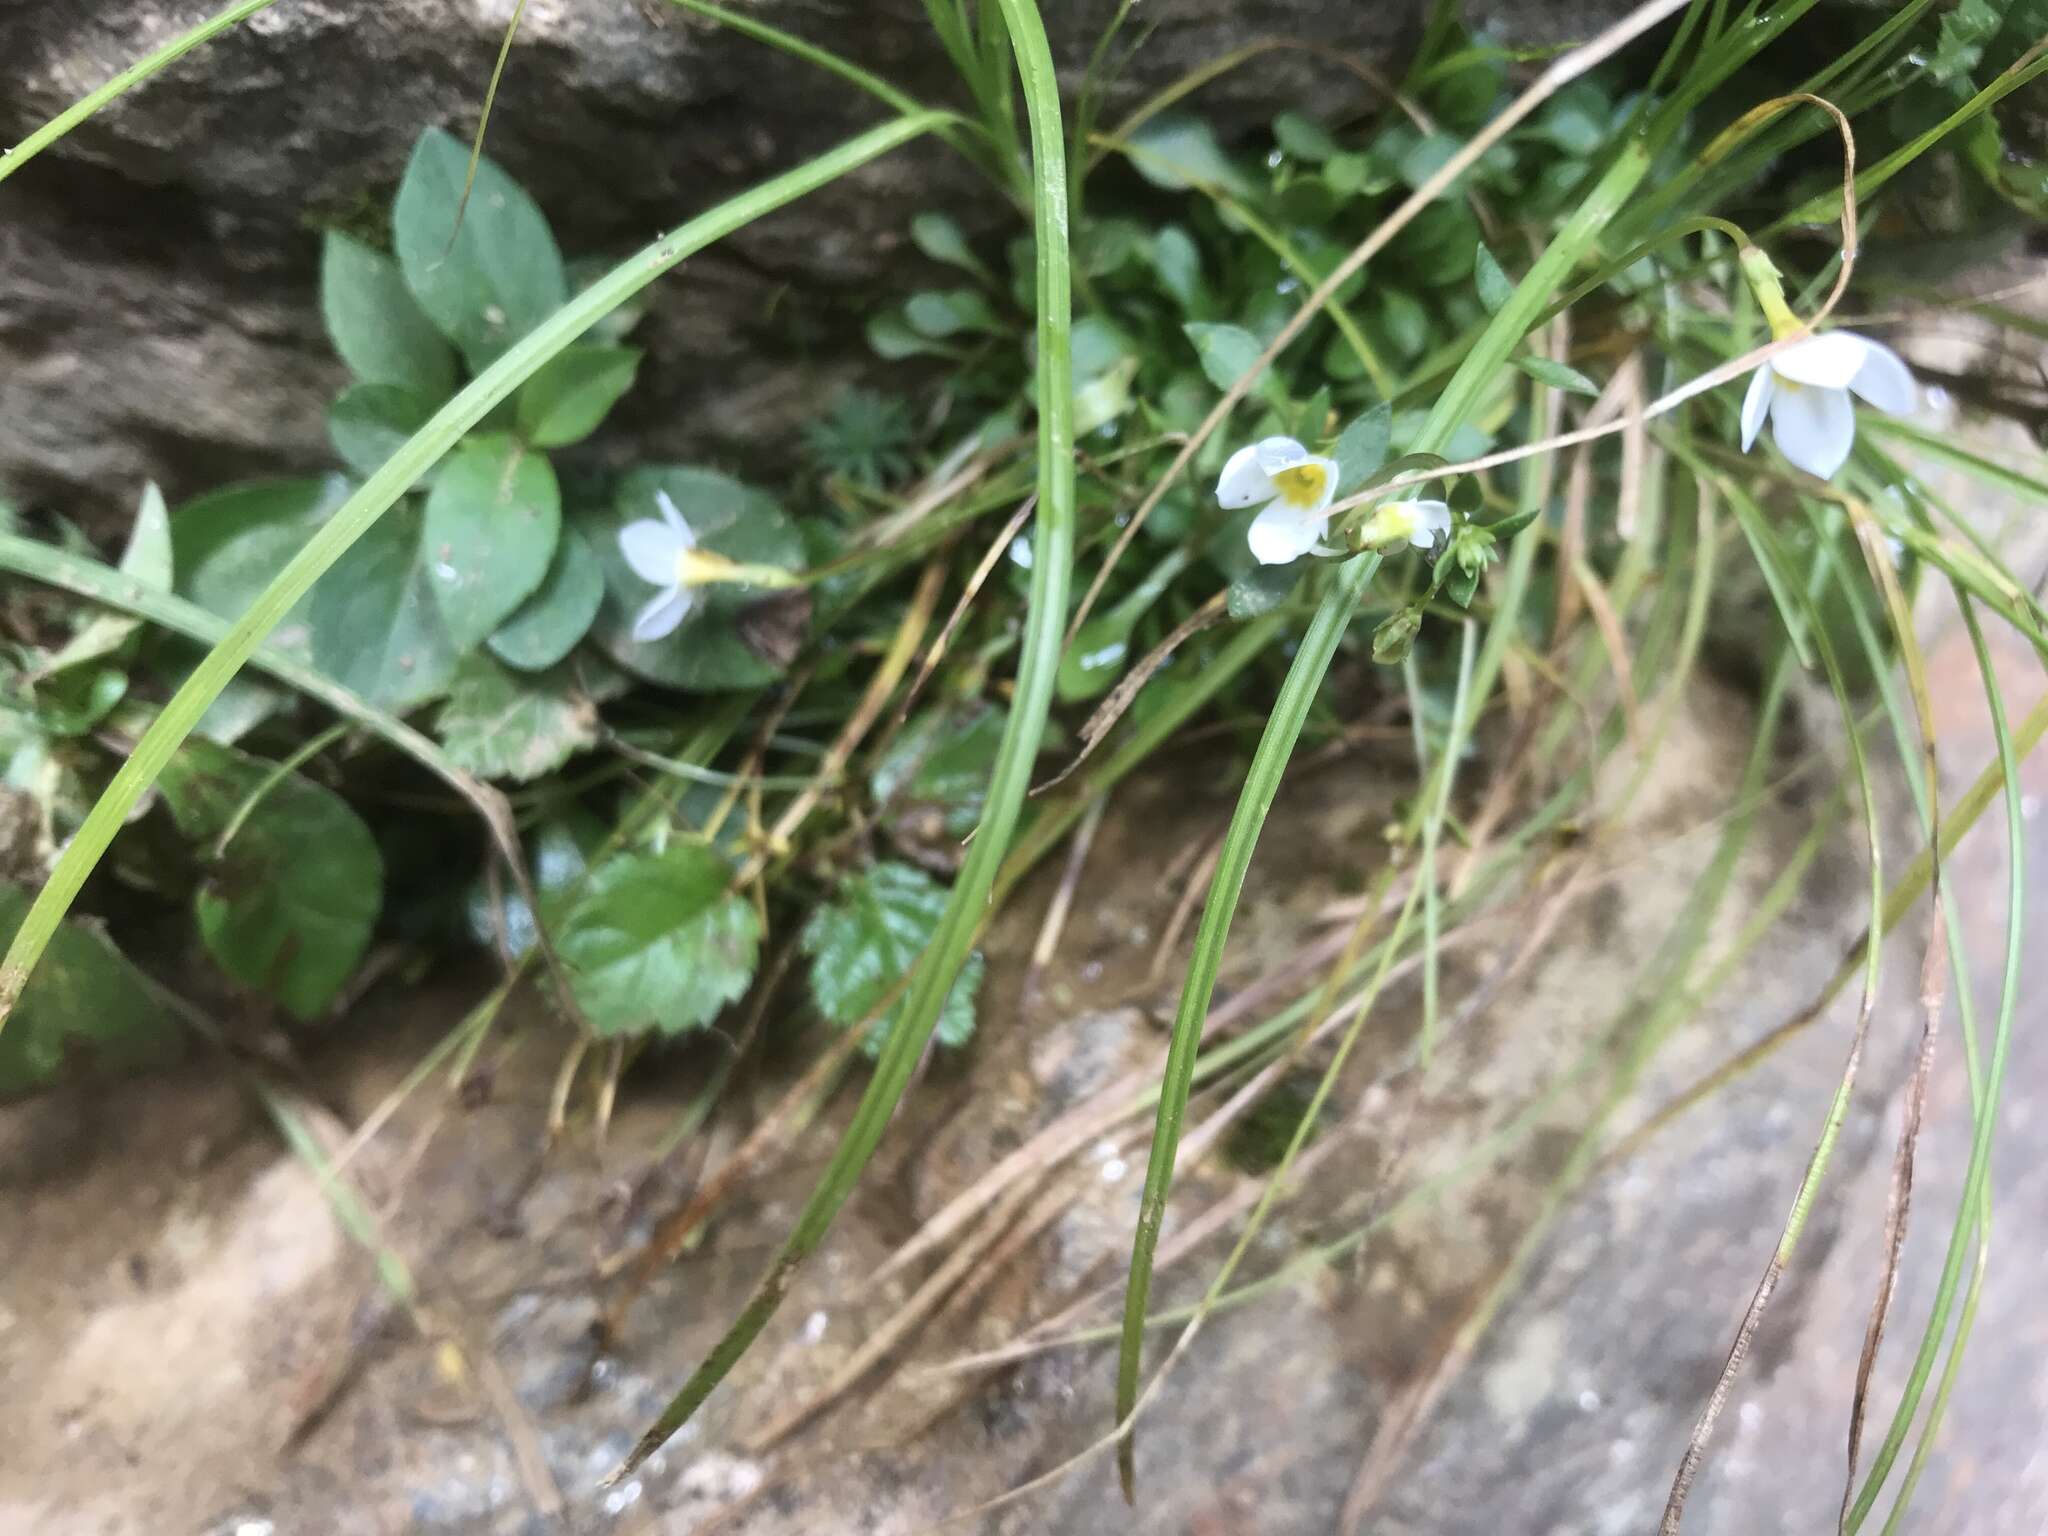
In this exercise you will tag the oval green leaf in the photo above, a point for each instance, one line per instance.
(375, 624)
(566, 400)
(548, 624)
(370, 422)
(226, 546)
(493, 519)
(489, 280)
(375, 323)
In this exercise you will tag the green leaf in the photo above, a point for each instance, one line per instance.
(939, 238)
(377, 326)
(1362, 448)
(1262, 589)
(1303, 138)
(375, 625)
(1404, 321)
(705, 653)
(493, 519)
(501, 725)
(657, 941)
(1576, 119)
(370, 422)
(1428, 156)
(73, 702)
(1226, 351)
(939, 314)
(939, 763)
(891, 338)
(147, 561)
(86, 1009)
(1556, 375)
(500, 276)
(1494, 288)
(1178, 152)
(289, 902)
(1395, 637)
(1178, 262)
(1960, 44)
(546, 627)
(565, 401)
(226, 546)
(868, 938)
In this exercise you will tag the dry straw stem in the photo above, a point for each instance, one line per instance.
(1559, 74)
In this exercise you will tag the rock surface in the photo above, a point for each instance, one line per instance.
(157, 270)
(185, 1301)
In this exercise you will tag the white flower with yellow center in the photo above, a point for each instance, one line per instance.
(1298, 487)
(664, 552)
(1805, 391)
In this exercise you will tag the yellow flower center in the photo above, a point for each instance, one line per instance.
(699, 567)
(1301, 486)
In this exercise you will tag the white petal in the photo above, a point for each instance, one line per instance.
(1278, 453)
(651, 549)
(1243, 483)
(1757, 403)
(1828, 361)
(661, 616)
(1815, 428)
(686, 539)
(1432, 522)
(1885, 380)
(1280, 534)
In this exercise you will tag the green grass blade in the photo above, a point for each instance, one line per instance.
(375, 497)
(1276, 745)
(55, 129)
(1050, 569)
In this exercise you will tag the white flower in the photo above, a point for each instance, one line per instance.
(1805, 390)
(660, 551)
(1421, 523)
(1300, 487)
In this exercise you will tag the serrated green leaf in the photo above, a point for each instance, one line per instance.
(288, 904)
(705, 653)
(565, 401)
(146, 562)
(1494, 288)
(86, 1010)
(226, 547)
(502, 725)
(870, 935)
(370, 422)
(1362, 448)
(1226, 351)
(500, 276)
(377, 326)
(546, 627)
(493, 519)
(656, 941)
(940, 762)
(1544, 371)
(374, 621)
